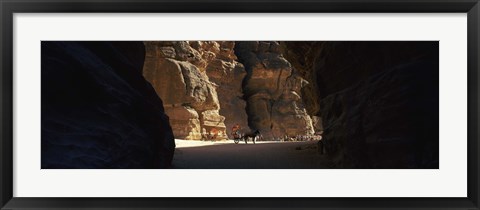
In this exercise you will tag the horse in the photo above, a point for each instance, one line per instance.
(255, 135)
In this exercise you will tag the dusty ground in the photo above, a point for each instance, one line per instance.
(263, 155)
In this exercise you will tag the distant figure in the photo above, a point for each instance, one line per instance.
(213, 134)
(204, 134)
(321, 146)
(236, 131)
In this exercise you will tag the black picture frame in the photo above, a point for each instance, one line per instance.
(10, 7)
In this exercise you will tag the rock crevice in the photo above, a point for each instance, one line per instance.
(272, 89)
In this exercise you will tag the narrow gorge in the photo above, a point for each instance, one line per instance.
(124, 104)
(375, 103)
(212, 86)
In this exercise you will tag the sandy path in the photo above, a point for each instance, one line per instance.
(263, 155)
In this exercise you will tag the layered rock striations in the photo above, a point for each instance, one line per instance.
(190, 77)
(97, 109)
(272, 89)
(378, 101)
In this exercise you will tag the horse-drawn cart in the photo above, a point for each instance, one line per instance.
(237, 136)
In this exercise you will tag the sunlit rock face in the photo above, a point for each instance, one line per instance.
(227, 74)
(378, 101)
(273, 91)
(200, 83)
(97, 109)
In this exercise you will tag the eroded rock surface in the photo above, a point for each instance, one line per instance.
(228, 74)
(191, 77)
(273, 91)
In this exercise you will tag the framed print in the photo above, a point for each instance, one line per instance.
(239, 105)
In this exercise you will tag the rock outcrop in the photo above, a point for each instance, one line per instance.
(378, 101)
(97, 109)
(228, 74)
(272, 89)
(190, 77)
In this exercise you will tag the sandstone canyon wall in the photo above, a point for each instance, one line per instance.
(200, 84)
(378, 101)
(209, 86)
(97, 109)
(272, 89)
(227, 73)
(375, 102)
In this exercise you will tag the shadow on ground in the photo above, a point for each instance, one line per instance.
(281, 155)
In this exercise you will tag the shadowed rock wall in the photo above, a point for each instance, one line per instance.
(378, 101)
(97, 109)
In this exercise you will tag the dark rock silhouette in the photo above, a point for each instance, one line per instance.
(379, 101)
(97, 109)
